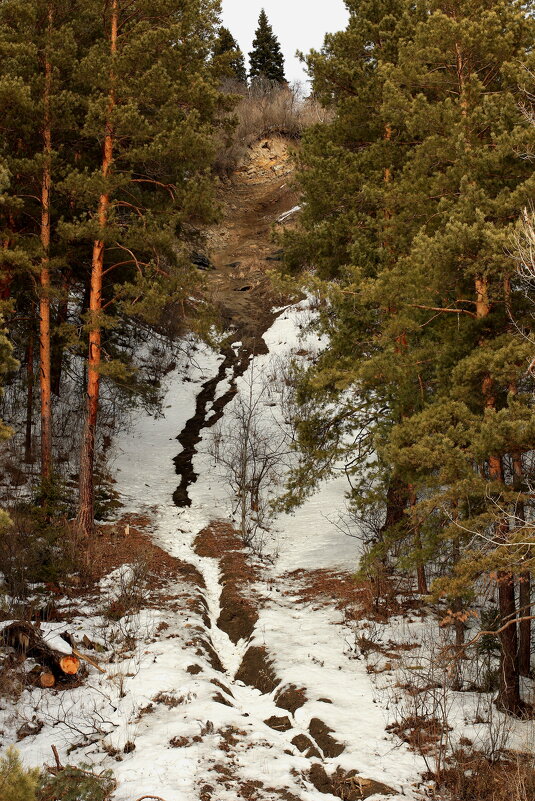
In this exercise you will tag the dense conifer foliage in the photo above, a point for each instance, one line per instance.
(266, 59)
(227, 47)
(106, 145)
(412, 195)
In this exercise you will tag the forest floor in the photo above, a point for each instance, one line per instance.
(230, 675)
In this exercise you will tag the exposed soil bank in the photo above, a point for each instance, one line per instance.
(241, 249)
(238, 616)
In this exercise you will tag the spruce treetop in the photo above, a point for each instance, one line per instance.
(266, 59)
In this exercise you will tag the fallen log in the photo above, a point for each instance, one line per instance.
(28, 642)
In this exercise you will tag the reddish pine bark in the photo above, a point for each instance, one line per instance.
(44, 300)
(85, 517)
(29, 401)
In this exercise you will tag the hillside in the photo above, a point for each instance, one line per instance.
(226, 675)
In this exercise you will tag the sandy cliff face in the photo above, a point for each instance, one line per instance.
(242, 246)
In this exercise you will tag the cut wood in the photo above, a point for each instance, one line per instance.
(27, 640)
(69, 639)
(47, 680)
(70, 664)
(88, 660)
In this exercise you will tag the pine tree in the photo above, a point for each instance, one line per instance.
(410, 198)
(466, 118)
(40, 46)
(265, 59)
(232, 61)
(153, 104)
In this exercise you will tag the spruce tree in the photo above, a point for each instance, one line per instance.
(265, 59)
(230, 56)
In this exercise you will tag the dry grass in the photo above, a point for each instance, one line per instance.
(266, 109)
(472, 777)
(356, 597)
(422, 734)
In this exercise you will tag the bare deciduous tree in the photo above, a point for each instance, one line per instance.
(250, 449)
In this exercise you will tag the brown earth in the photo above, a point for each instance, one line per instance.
(291, 697)
(257, 670)
(238, 615)
(322, 735)
(348, 786)
(238, 286)
(242, 243)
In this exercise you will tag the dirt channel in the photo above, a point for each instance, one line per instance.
(241, 251)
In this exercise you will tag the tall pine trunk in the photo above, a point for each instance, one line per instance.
(524, 580)
(44, 300)
(29, 401)
(85, 517)
(509, 690)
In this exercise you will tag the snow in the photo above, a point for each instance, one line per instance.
(149, 698)
(308, 644)
(287, 214)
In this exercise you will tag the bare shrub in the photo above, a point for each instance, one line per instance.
(266, 108)
(424, 705)
(249, 448)
(131, 590)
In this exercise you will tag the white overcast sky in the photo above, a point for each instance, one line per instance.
(298, 24)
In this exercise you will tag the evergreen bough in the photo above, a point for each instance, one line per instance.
(229, 54)
(16, 782)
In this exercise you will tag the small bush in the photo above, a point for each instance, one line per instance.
(490, 621)
(77, 784)
(16, 782)
(34, 549)
(132, 591)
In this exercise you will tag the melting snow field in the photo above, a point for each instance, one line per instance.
(161, 697)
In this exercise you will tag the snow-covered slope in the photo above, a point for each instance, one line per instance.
(167, 717)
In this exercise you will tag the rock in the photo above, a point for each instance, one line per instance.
(202, 262)
(29, 728)
(278, 255)
(322, 735)
(194, 669)
(279, 724)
